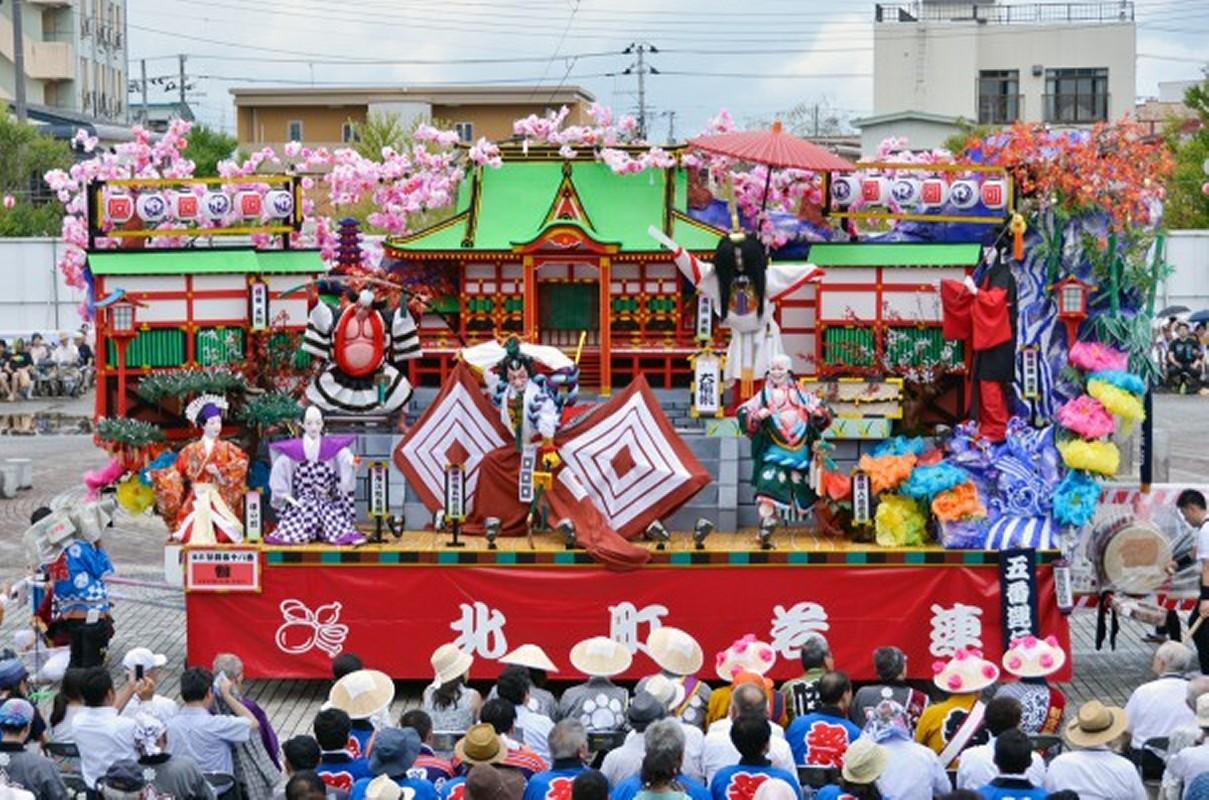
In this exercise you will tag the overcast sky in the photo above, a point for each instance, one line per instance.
(753, 57)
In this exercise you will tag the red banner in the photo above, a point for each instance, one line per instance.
(394, 616)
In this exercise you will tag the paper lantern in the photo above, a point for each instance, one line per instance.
(844, 190)
(875, 190)
(215, 206)
(151, 207)
(119, 208)
(933, 193)
(185, 206)
(963, 194)
(280, 203)
(994, 194)
(905, 192)
(249, 204)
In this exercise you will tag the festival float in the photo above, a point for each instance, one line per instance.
(617, 387)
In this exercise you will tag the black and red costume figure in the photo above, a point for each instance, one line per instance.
(365, 352)
(983, 317)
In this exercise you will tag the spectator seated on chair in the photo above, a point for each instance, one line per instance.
(626, 761)
(436, 770)
(664, 743)
(801, 693)
(102, 736)
(305, 785)
(26, 768)
(394, 753)
(913, 772)
(1092, 770)
(569, 751)
(592, 785)
(124, 780)
(175, 776)
(719, 749)
(750, 733)
(205, 737)
(978, 767)
(338, 768)
(1185, 361)
(820, 737)
(500, 714)
(158, 705)
(1157, 708)
(864, 763)
(1013, 757)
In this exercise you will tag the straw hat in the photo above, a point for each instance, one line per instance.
(1096, 724)
(966, 672)
(1031, 657)
(530, 656)
(864, 761)
(449, 663)
(667, 691)
(745, 655)
(362, 694)
(480, 745)
(675, 651)
(600, 657)
(383, 787)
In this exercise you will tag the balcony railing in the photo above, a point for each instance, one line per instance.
(995, 14)
(1000, 109)
(1075, 108)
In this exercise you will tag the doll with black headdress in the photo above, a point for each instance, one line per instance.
(744, 289)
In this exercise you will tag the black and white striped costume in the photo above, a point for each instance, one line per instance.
(335, 391)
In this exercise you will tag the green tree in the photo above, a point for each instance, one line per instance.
(956, 143)
(1186, 205)
(207, 147)
(25, 156)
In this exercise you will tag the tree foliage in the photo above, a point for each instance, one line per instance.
(383, 130)
(1187, 205)
(25, 154)
(207, 147)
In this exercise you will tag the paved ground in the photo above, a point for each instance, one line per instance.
(153, 616)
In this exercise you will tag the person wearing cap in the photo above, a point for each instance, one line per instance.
(501, 716)
(955, 723)
(598, 703)
(124, 780)
(670, 693)
(1186, 764)
(1159, 707)
(28, 770)
(365, 695)
(864, 763)
(751, 735)
(626, 760)
(533, 658)
(664, 742)
(679, 658)
(448, 701)
(14, 686)
(890, 664)
(157, 705)
(801, 693)
(820, 738)
(395, 751)
(913, 772)
(746, 657)
(1032, 659)
(484, 746)
(978, 767)
(206, 737)
(175, 776)
(1013, 759)
(569, 749)
(428, 764)
(338, 767)
(231, 666)
(719, 750)
(534, 729)
(1091, 769)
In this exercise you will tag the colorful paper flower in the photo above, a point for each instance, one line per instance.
(1120, 379)
(959, 503)
(927, 482)
(1094, 357)
(835, 485)
(886, 472)
(899, 522)
(1075, 499)
(1122, 404)
(1086, 416)
(1102, 458)
(901, 445)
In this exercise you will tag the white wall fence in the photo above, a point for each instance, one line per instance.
(1188, 254)
(33, 295)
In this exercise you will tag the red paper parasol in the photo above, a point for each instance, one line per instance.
(774, 147)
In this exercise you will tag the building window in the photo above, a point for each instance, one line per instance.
(465, 131)
(998, 96)
(293, 130)
(349, 132)
(1076, 95)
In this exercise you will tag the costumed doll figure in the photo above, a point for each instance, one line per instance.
(744, 289)
(312, 482)
(201, 495)
(364, 356)
(983, 316)
(527, 408)
(784, 422)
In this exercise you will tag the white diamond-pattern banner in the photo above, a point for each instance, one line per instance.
(460, 426)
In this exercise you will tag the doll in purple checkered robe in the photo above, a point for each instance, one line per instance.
(312, 483)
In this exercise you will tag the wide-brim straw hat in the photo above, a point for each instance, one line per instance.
(1031, 657)
(383, 787)
(675, 651)
(864, 761)
(1096, 724)
(449, 663)
(967, 671)
(667, 691)
(530, 656)
(747, 654)
(480, 745)
(362, 694)
(600, 657)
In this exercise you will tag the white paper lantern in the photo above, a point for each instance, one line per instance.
(994, 194)
(152, 207)
(933, 193)
(280, 203)
(216, 206)
(963, 194)
(186, 206)
(844, 190)
(875, 190)
(905, 192)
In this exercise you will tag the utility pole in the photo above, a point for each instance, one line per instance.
(641, 49)
(671, 127)
(816, 120)
(182, 85)
(143, 87)
(18, 63)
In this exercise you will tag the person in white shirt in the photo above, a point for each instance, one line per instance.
(718, 751)
(513, 687)
(160, 707)
(624, 761)
(913, 772)
(206, 737)
(977, 767)
(1158, 708)
(1191, 504)
(670, 693)
(1188, 762)
(1093, 771)
(102, 736)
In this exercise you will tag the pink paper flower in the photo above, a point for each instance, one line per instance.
(1086, 416)
(1093, 356)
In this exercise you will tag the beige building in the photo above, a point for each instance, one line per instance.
(320, 116)
(75, 59)
(1066, 64)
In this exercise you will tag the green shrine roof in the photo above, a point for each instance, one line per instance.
(500, 208)
(201, 262)
(898, 254)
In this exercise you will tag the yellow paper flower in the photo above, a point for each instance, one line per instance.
(1124, 405)
(899, 522)
(133, 496)
(1102, 458)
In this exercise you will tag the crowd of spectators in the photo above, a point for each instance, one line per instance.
(34, 367)
(1180, 348)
